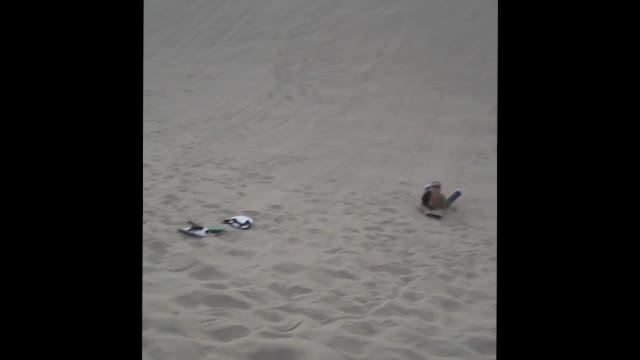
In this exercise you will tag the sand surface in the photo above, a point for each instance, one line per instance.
(321, 120)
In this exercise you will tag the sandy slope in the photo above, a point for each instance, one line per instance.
(321, 120)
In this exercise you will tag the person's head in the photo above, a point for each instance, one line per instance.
(436, 186)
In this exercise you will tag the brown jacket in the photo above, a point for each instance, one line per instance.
(439, 203)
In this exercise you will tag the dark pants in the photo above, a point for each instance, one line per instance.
(452, 198)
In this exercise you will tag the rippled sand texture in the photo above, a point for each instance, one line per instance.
(321, 120)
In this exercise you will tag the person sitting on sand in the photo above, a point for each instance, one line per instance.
(434, 199)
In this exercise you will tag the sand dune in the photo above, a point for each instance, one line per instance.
(321, 120)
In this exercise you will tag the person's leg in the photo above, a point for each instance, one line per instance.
(453, 197)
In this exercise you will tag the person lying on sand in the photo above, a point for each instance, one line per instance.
(239, 222)
(434, 199)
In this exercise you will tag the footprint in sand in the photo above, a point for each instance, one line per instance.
(211, 206)
(446, 303)
(481, 344)
(179, 262)
(348, 345)
(271, 316)
(394, 269)
(188, 301)
(227, 333)
(221, 300)
(289, 268)
(388, 210)
(366, 328)
(170, 199)
(376, 229)
(277, 352)
(259, 296)
(216, 286)
(251, 213)
(246, 253)
(159, 247)
(289, 290)
(272, 335)
(412, 296)
(338, 273)
(198, 244)
(208, 272)
(293, 240)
